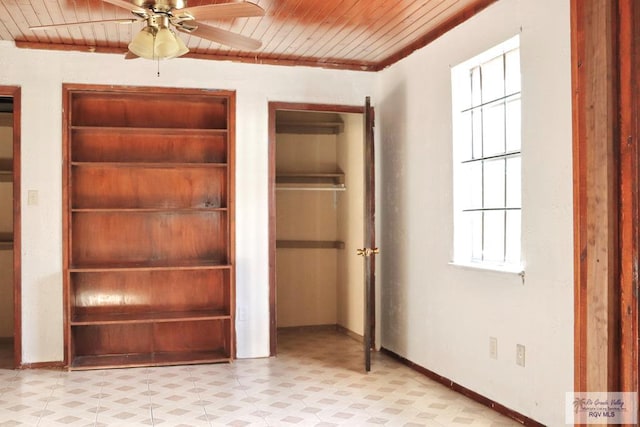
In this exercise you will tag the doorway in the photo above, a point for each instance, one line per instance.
(10, 348)
(316, 218)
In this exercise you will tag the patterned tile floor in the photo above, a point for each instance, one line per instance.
(316, 380)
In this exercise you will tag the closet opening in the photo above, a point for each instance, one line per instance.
(9, 283)
(317, 221)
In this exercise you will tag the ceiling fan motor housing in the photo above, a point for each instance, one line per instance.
(158, 21)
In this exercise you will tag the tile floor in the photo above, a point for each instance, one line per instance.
(316, 380)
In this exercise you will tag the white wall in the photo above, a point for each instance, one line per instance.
(41, 75)
(435, 314)
(441, 316)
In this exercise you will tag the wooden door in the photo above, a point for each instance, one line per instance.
(370, 250)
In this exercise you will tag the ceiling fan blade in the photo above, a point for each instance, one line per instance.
(125, 5)
(223, 10)
(75, 24)
(130, 55)
(221, 36)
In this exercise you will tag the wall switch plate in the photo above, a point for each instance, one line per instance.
(32, 197)
(493, 347)
(520, 354)
(242, 314)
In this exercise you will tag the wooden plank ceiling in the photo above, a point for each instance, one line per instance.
(344, 34)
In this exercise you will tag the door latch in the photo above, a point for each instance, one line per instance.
(367, 251)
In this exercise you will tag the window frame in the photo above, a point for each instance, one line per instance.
(466, 102)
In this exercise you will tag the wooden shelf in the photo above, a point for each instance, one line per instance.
(149, 266)
(149, 109)
(116, 185)
(149, 130)
(148, 359)
(309, 244)
(151, 165)
(151, 317)
(148, 145)
(331, 181)
(159, 238)
(148, 210)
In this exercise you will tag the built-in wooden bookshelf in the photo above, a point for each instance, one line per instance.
(149, 259)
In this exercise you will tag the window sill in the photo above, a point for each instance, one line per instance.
(516, 270)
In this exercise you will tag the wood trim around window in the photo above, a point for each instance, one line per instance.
(629, 105)
(606, 93)
(595, 191)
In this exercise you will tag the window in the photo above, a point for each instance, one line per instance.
(487, 158)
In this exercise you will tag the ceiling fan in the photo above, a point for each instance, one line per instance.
(158, 41)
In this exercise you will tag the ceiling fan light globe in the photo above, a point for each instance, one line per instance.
(142, 44)
(182, 48)
(166, 44)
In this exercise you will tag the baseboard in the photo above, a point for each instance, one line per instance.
(307, 328)
(43, 365)
(319, 328)
(516, 416)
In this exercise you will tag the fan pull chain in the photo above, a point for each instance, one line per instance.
(154, 55)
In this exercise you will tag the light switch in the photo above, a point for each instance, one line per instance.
(32, 197)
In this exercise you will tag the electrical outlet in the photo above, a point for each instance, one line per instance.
(493, 347)
(520, 351)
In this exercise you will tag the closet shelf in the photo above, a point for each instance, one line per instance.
(331, 181)
(309, 244)
(311, 127)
